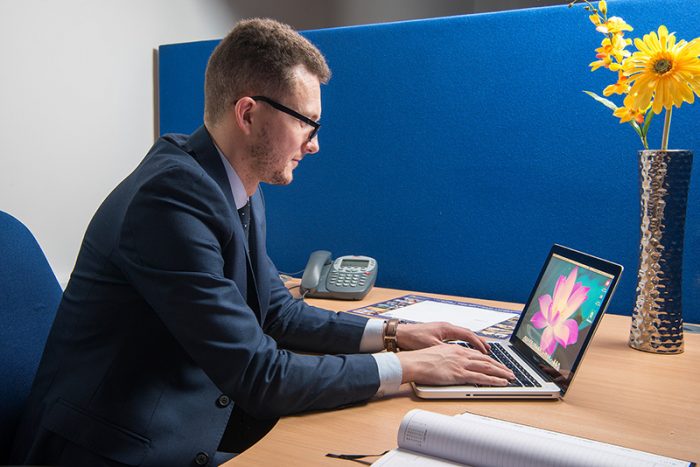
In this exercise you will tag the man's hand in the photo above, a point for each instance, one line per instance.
(420, 336)
(452, 364)
(434, 362)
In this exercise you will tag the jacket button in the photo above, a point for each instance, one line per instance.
(223, 401)
(202, 458)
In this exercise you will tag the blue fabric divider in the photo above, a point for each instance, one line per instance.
(457, 150)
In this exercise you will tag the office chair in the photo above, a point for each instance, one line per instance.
(29, 297)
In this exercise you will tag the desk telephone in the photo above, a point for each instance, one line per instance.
(345, 278)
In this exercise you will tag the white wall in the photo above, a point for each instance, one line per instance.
(77, 91)
(76, 104)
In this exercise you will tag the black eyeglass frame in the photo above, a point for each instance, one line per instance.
(283, 108)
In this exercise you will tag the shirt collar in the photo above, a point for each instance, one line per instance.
(240, 197)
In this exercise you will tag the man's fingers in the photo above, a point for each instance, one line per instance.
(478, 343)
(487, 365)
(485, 380)
(465, 334)
(453, 364)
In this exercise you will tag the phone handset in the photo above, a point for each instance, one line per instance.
(312, 274)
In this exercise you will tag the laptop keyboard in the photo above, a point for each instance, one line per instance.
(522, 378)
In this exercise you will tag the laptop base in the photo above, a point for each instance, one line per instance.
(466, 392)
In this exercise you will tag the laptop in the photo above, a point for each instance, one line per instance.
(555, 328)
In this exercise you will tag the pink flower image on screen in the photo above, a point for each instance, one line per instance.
(554, 315)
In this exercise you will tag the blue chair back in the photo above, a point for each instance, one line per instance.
(29, 297)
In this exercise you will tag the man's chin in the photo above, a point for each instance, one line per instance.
(280, 179)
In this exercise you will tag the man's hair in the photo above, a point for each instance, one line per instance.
(257, 58)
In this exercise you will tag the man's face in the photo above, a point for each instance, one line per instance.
(282, 141)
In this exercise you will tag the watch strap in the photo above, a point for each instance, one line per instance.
(390, 342)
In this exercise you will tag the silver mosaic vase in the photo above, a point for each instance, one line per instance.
(657, 319)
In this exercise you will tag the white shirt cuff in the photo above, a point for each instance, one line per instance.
(373, 336)
(390, 373)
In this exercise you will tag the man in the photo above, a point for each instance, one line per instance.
(173, 343)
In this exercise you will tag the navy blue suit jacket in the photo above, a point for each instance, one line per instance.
(155, 326)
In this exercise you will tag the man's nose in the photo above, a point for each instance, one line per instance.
(312, 146)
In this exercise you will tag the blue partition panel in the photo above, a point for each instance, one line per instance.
(457, 150)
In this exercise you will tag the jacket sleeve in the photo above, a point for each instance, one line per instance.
(296, 325)
(171, 249)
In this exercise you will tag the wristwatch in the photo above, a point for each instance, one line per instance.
(390, 342)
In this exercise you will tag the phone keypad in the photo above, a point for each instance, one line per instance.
(348, 279)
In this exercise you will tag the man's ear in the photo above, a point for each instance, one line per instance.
(244, 114)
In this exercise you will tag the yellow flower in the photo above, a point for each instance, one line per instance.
(627, 114)
(621, 87)
(603, 7)
(595, 17)
(661, 74)
(614, 25)
(605, 62)
(663, 70)
(611, 47)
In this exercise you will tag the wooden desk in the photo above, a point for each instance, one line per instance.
(620, 395)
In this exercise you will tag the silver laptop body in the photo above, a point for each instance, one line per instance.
(555, 328)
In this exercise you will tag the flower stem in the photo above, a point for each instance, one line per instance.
(667, 128)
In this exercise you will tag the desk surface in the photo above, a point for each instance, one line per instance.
(620, 395)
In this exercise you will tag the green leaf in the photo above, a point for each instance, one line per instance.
(647, 121)
(636, 127)
(607, 103)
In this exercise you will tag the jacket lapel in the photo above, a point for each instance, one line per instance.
(202, 148)
(258, 246)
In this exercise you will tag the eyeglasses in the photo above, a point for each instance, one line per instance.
(293, 113)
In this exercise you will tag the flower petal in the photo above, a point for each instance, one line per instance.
(566, 333)
(562, 290)
(547, 342)
(576, 299)
(538, 320)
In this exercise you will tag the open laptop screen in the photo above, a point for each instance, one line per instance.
(564, 310)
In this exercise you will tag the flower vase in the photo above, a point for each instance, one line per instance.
(657, 319)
